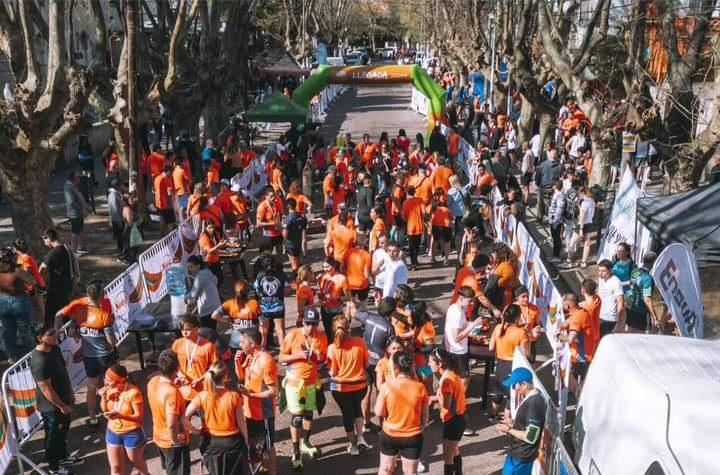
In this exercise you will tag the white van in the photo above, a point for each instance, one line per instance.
(650, 406)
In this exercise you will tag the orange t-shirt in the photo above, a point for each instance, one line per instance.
(92, 320)
(157, 163)
(295, 342)
(342, 239)
(268, 212)
(583, 348)
(207, 242)
(193, 204)
(486, 179)
(367, 152)
(27, 262)
(356, 261)
(243, 317)
(195, 358)
(404, 402)
(213, 176)
(423, 188)
(507, 280)
(412, 212)
(163, 397)
(384, 368)
(398, 195)
(258, 373)
(328, 187)
(122, 402)
(441, 217)
(181, 181)
(163, 186)
(451, 384)
(238, 208)
(378, 229)
(304, 294)
(276, 176)
(593, 308)
(223, 201)
(530, 318)
(440, 178)
(219, 411)
(465, 277)
(212, 213)
(453, 144)
(347, 365)
(505, 344)
(303, 203)
(332, 288)
(422, 335)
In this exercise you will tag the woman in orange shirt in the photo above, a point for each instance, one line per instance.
(385, 369)
(507, 336)
(122, 405)
(505, 268)
(403, 403)
(441, 230)
(210, 245)
(277, 178)
(240, 312)
(450, 397)
(348, 358)
(529, 317)
(224, 417)
(194, 199)
(304, 295)
(303, 203)
(334, 290)
(378, 228)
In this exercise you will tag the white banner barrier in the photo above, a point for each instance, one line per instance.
(419, 103)
(127, 299)
(326, 97)
(155, 261)
(8, 444)
(623, 217)
(675, 273)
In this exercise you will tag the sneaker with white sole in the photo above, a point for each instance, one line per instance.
(422, 468)
(353, 450)
(363, 444)
(71, 460)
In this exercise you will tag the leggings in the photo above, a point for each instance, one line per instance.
(350, 406)
(414, 242)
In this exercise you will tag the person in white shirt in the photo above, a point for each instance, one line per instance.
(575, 144)
(535, 146)
(378, 266)
(527, 171)
(457, 330)
(396, 272)
(584, 225)
(612, 300)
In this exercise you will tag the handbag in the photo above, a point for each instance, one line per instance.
(136, 237)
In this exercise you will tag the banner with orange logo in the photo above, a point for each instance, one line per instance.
(386, 74)
(127, 299)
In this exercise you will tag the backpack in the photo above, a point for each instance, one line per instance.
(572, 204)
(634, 295)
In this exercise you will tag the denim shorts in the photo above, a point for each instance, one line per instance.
(129, 440)
(77, 225)
(183, 201)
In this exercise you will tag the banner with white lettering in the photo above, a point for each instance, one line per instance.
(623, 217)
(676, 276)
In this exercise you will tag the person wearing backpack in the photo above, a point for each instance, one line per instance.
(556, 214)
(570, 217)
(639, 308)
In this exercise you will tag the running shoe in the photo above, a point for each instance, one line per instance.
(422, 468)
(308, 449)
(71, 460)
(363, 444)
(353, 450)
(296, 462)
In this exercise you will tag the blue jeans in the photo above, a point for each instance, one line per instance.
(16, 317)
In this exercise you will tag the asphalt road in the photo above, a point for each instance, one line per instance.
(372, 110)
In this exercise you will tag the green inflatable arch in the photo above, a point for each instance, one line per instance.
(380, 74)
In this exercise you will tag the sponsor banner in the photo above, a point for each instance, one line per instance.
(252, 180)
(419, 103)
(370, 74)
(676, 276)
(23, 400)
(623, 217)
(155, 261)
(8, 445)
(127, 298)
(503, 222)
(71, 349)
(189, 239)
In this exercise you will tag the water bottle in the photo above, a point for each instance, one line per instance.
(176, 289)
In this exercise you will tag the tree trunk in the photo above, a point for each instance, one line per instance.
(215, 116)
(527, 115)
(603, 145)
(547, 122)
(25, 185)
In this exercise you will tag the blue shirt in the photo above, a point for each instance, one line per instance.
(456, 202)
(622, 271)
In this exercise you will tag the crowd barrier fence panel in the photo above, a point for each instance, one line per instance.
(128, 298)
(155, 261)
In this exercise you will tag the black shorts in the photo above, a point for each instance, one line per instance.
(364, 224)
(503, 369)
(454, 428)
(587, 228)
(175, 460)
(293, 251)
(262, 429)
(636, 320)
(77, 225)
(441, 233)
(361, 295)
(274, 240)
(167, 215)
(463, 365)
(408, 447)
(95, 366)
(371, 376)
(579, 369)
(272, 316)
(526, 179)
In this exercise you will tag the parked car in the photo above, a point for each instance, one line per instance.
(355, 58)
(388, 53)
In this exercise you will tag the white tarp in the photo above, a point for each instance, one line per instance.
(676, 276)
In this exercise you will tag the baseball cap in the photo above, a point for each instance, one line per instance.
(518, 375)
(235, 188)
(311, 315)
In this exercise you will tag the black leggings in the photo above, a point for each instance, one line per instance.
(414, 242)
(225, 455)
(350, 404)
(556, 233)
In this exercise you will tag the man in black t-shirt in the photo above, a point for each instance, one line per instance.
(293, 230)
(55, 399)
(57, 266)
(525, 430)
(377, 330)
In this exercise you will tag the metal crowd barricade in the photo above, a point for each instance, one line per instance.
(19, 392)
(155, 261)
(127, 297)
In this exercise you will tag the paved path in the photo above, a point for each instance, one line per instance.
(372, 110)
